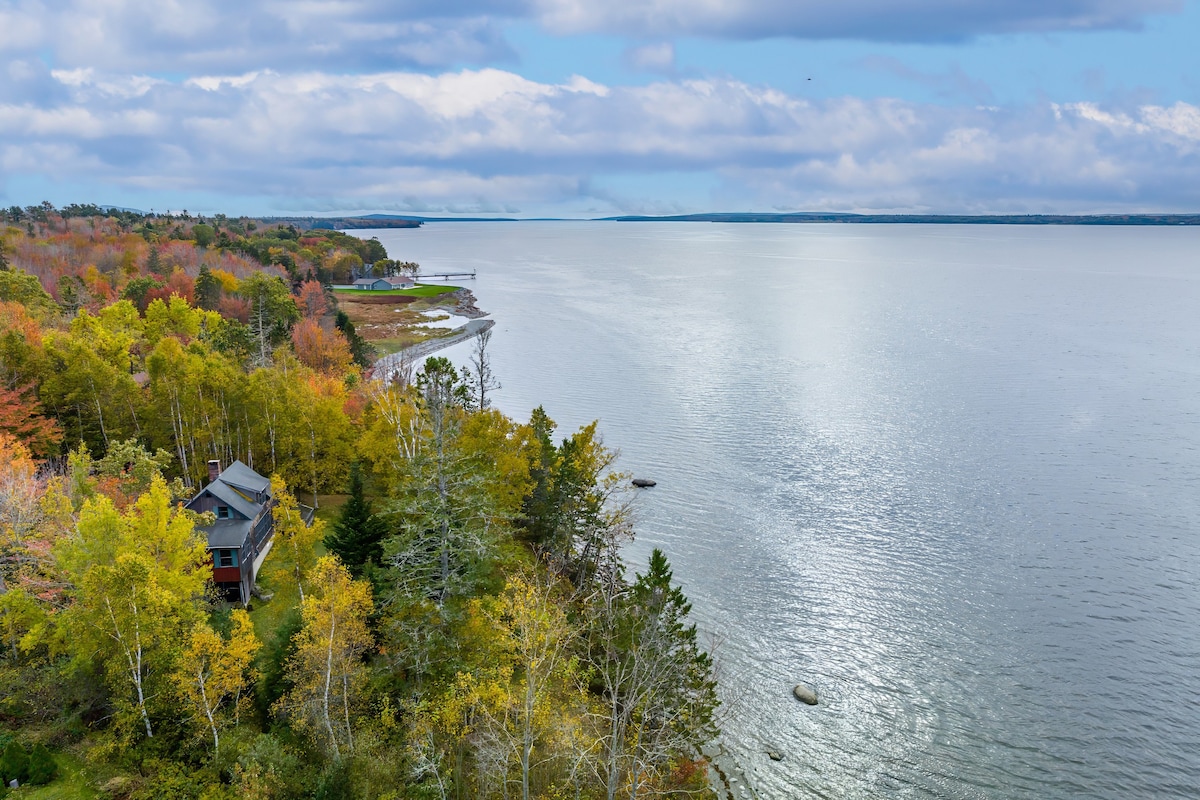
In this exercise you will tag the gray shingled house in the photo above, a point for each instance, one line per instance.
(240, 537)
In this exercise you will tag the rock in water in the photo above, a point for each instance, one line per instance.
(775, 755)
(805, 694)
(644, 483)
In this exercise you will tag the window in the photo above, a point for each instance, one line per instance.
(222, 512)
(227, 558)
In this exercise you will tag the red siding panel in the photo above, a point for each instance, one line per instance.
(223, 574)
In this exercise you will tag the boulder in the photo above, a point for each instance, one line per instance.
(775, 755)
(644, 483)
(805, 694)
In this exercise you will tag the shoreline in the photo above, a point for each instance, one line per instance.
(460, 302)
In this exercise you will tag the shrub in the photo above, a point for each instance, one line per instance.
(42, 766)
(14, 763)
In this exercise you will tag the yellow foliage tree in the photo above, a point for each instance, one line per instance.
(326, 669)
(138, 579)
(214, 672)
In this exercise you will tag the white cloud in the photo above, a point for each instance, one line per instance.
(493, 138)
(234, 36)
(657, 57)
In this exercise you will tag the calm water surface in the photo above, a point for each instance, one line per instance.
(950, 476)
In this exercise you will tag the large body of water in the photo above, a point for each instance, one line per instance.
(948, 475)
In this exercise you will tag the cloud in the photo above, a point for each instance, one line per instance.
(173, 36)
(658, 57)
(493, 139)
(185, 36)
(952, 84)
(877, 20)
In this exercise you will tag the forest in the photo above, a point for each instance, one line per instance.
(456, 622)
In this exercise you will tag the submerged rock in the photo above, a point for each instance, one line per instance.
(805, 694)
(644, 483)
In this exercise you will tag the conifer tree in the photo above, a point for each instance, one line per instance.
(42, 766)
(357, 536)
(14, 763)
(208, 289)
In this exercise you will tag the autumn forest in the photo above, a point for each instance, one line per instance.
(444, 612)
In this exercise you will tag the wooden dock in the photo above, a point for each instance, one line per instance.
(445, 275)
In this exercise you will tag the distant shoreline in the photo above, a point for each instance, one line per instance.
(398, 221)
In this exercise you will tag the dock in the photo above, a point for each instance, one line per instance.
(445, 275)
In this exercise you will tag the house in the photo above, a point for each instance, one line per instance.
(401, 282)
(240, 537)
(372, 284)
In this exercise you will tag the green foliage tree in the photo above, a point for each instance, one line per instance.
(361, 350)
(155, 264)
(208, 289)
(272, 313)
(357, 536)
(659, 694)
(204, 235)
(18, 286)
(14, 763)
(42, 766)
(137, 580)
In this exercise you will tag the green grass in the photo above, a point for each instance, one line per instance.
(420, 290)
(71, 784)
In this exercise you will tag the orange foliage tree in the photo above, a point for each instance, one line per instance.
(327, 352)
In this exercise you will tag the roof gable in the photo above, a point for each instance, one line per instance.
(239, 475)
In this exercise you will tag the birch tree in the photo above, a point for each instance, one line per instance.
(659, 695)
(138, 579)
(213, 672)
(326, 669)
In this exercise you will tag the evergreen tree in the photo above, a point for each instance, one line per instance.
(208, 289)
(357, 536)
(14, 764)
(42, 766)
(361, 350)
(658, 688)
(154, 264)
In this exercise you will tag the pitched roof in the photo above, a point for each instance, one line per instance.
(400, 279)
(228, 533)
(232, 497)
(239, 475)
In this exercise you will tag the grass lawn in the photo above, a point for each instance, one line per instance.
(278, 579)
(71, 784)
(420, 290)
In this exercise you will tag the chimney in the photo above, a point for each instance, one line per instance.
(214, 469)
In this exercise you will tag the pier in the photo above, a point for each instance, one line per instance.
(445, 275)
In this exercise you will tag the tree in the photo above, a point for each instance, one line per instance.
(136, 581)
(312, 300)
(658, 691)
(21, 416)
(321, 350)
(155, 265)
(357, 536)
(213, 671)
(208, 289)
(272, 312)
(292, 533)
(538, 637)
(445, 536)
(326, 669)
(42, 766)
(204, 235)
(478, 375)
(361, 350)
(14, 763)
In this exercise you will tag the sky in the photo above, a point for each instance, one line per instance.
(589, 108)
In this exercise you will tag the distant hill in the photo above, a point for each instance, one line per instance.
(345, 223)
(940, 219)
